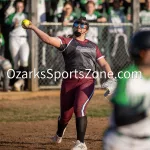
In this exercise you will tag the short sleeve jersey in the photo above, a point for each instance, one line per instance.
(145, 17)
(133, 95)
(79, 55)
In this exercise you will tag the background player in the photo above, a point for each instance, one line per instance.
(79, 54)
(129, 126)
(5, 65)
(18, 44)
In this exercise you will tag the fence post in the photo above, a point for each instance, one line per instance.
(135, 14)
(33, 84)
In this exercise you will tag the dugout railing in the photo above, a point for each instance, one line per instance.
(112, 40)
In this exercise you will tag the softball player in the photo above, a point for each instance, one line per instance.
(79, 54)
(18, 44)
(129, 126)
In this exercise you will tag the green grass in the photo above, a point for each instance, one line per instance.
(44, 109)
(28, 114)
(15, 114)
(101, 112)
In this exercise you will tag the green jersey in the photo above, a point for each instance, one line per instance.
(129, 91)
(131, 101)
(116, 17)
(11, 19)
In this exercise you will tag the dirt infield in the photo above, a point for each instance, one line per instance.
(35, 135)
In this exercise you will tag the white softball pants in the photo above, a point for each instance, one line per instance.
(113, 141)
(19, 49)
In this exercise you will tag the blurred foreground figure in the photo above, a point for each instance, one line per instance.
(130, 119)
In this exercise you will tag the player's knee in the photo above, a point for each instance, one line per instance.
(6, 65)
(24, 63)
(64, 120)
(79, 113)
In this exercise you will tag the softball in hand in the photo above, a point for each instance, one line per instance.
(26, 23)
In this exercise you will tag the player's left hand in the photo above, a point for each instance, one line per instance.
(110, 85)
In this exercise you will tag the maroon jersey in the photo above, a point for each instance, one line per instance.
(79, 55)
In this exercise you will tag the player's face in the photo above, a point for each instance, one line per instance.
(90, 8)
(68, 9)
(20, 7)
(116, 5)
(145, 55)
(81, 27)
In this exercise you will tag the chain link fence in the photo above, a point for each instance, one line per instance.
(112, 41)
